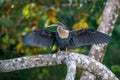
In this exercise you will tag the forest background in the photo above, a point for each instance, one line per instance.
(18, 17)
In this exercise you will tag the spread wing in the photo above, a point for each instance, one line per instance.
(89, 36)
(39, 37)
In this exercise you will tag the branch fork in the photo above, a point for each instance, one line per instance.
(72, 60)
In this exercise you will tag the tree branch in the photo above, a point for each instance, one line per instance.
(71, 66)
(106, 26)
(72, 60)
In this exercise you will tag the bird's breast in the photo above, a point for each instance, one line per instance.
(62, 42)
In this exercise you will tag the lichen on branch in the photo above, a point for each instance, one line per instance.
(72, 60)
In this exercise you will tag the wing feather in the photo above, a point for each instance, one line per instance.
(88, 37)
(40, 37)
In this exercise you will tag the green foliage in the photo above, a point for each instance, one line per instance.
(18, 17)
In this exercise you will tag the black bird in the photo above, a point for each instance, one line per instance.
(64, 38)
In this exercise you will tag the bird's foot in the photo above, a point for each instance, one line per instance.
(59, 51)
(64, 51)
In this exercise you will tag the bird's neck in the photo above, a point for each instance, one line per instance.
(62, 33)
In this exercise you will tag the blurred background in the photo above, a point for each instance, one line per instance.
(18, 17)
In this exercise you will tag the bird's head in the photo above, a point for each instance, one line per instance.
(63, 33)
(58, 24)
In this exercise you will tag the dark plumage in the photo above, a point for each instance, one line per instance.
(64, 38)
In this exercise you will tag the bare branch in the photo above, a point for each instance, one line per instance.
(106, 26)
(29, 62)
(71, 66)
(72, 60)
